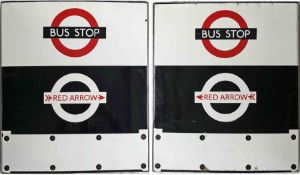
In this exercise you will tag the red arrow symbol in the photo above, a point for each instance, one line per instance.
(48, 97)
(252, 97)
(100, 97)
(200, 96)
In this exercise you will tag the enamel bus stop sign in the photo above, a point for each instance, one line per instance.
(226, 87)
(74, 87)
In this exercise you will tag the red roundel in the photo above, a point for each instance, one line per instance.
(74, 52)
(225, 53)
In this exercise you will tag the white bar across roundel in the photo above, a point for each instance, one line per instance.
(225, 97)
(74, 97)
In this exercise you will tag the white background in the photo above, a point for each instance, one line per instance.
(276, 42)
(151, 92)
(19, 36)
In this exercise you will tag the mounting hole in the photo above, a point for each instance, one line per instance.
(98, 167)
(202, 137)
(293, 137)
(143, 136)
(157, 137)
(202, 167)
(52, 167)
(157, 166)
(248, 167)
(143, 165)
(52, 138)
(98, 137)
(6, 138)
(248, 137)
(6, 167)
(293, 167)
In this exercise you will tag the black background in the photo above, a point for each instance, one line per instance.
(24, 111)
(276, 109)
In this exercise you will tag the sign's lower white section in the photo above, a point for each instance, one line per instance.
(74, 152)
(226, 152)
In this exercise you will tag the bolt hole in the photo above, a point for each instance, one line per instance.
(293, 137)
(202, 137)
(52, 167)
(157, 137)
(202, 167)
(143, 136)
(98, 167)
(6, 167)
(293, 167)
(6, 138)
(248, 167)
(248, 137)
(143, 165)
(52, 138)
(98, 137)
(157, 166)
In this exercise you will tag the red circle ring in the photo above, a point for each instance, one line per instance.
(74, 52)
(225, 53)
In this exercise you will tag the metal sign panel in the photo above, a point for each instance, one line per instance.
(226, 86)
(74, 86)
